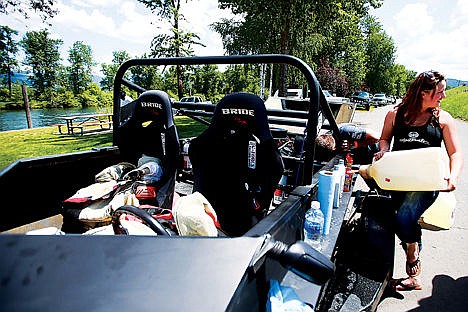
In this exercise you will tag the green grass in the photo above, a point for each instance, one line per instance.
(45, 141)
(187, 127)
(456, 102)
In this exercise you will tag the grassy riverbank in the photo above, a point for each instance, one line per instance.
(45, 141)
(28, 143)
(456, 102)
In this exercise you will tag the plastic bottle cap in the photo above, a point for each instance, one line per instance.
(315, 204)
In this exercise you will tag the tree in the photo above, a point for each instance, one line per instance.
(344, 44)
(81, 65)
(63, 97)
(401, 79)
(94, 96)
(45, 8)
(8, 50)
(307, 29)
(381, 52)
(109, 70)
(178, 43)
(147, 77)
(331, 78)
(267, 27)
(43, 56)
(241, 78)
(170, 81)
(207, 81)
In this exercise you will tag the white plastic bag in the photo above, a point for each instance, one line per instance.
(284, 299)
(194, 216)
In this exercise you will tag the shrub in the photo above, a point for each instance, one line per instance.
(65, 99)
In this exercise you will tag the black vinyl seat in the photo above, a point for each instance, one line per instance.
(236, 163)
(149, 129)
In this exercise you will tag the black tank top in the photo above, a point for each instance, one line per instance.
(412, 137)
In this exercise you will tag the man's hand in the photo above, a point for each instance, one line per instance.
(345, 145)
(380, 154)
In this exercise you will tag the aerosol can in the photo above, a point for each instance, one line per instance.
(187, 163)
(278, 195)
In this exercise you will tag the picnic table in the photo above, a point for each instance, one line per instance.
(81, 122)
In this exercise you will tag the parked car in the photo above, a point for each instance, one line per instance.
(379, 99)
(295, 93)
(334, 99)
(194, 99)
(361, 98)
(391, 99)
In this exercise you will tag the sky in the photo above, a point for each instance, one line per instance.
(429, 35)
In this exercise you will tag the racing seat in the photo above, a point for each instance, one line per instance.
(148, 129)
(236, 163)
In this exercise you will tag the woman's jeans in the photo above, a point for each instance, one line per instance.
(410, 207)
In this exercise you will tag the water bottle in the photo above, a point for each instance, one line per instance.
(342, 170)
(313, 225)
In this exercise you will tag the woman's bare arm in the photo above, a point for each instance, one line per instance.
(387, 133)
(453, 147)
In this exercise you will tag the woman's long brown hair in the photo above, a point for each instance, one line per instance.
(412, 100)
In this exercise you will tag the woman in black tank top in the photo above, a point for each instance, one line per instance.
(419, 122)
(407, 137)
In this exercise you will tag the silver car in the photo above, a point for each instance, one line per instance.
(379, 99)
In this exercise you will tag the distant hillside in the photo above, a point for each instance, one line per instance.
(456, 83)
(18, 77)
(24, 77)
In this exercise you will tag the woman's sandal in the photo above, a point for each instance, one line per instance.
(413, 268)
(398, 285)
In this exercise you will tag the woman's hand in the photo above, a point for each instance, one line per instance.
(451, 184)
(380, 154)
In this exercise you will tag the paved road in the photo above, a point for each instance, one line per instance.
(444, 256)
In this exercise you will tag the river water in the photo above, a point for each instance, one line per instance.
(16, 119)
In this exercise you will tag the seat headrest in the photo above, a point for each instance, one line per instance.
(154, 105)
(242, 111)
